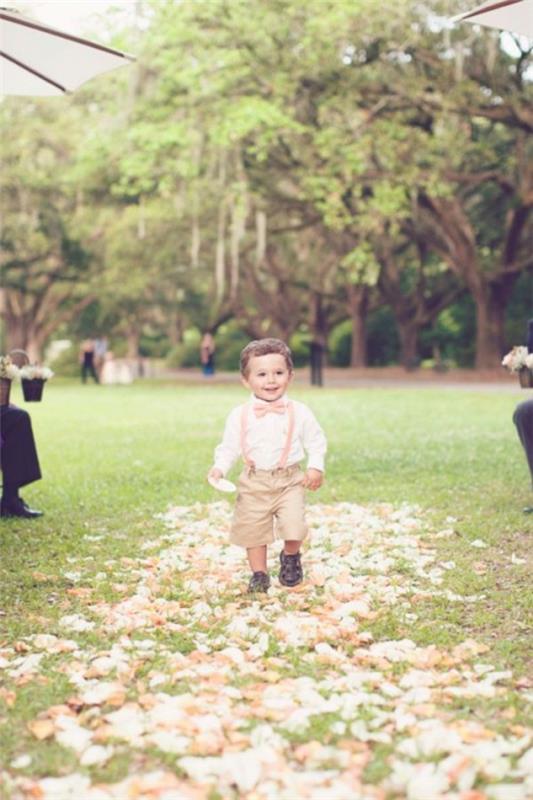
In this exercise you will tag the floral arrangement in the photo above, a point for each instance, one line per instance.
(8, 370)
(518, 359)
(33, 372)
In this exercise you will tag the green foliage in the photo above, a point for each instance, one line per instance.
(361, 265)
(184, 354)
(519, 311)
(340, 344)
(67, 364)
(454, 333)
(383, 343)
(89, 322)
(153, 344)
(299, 344)
(342, 121)
(229, 341)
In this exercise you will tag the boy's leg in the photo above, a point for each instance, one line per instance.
(257, 558)
(292, 546)
(252, 526)
(291, 523)
(291, 572)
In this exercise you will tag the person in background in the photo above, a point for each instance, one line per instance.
(100, 350)
(108, 373)
(87, 360)
(19, 461)
(207, 353)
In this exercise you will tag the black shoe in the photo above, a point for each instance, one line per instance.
(528, 510)
(18, 508)
(291, 572)
(259, 582)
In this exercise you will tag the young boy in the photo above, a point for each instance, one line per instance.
(272, 434)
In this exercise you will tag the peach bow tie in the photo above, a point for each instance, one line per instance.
(278, 407)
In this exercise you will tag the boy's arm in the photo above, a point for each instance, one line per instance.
(315, 445)
(313, 479)
(314, 442)
(228, 451)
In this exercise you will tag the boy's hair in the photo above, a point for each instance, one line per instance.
(263, 347)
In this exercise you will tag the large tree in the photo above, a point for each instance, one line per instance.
(46, 270)
(325, 151)
(467, 112)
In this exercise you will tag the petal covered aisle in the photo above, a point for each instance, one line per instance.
(183, 687)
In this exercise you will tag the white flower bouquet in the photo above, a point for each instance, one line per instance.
(521, 361)
(32, 372)
(8, 370)
(518, 358)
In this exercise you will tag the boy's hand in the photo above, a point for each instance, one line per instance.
(313, 479)
(215, 473)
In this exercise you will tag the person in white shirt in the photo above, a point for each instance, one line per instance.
(272, 435)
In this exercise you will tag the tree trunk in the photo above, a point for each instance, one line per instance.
(30, 322)
(34, 346)
(15, 334)
(358, 304)
(490, 318)
(319, 334)
(175, 329)
(19, 335)
(455, 242)
(408, 333)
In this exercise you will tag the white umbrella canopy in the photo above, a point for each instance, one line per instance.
(37, 60)
(507, 15)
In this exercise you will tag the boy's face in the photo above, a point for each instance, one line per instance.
(268, 376)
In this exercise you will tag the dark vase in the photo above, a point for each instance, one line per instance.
(32, 389)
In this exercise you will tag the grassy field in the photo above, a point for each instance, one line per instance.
(113, 457)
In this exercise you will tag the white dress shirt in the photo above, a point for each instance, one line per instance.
(266, 437)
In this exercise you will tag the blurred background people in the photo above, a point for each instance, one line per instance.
(87, 360)
(207, 354)
(100, 350)
(108, 372)
(115, 370)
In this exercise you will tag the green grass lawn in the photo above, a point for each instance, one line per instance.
(112, 457)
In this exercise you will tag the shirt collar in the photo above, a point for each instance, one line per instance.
(257, 400)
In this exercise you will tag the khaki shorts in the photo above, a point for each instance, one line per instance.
(268, 499)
